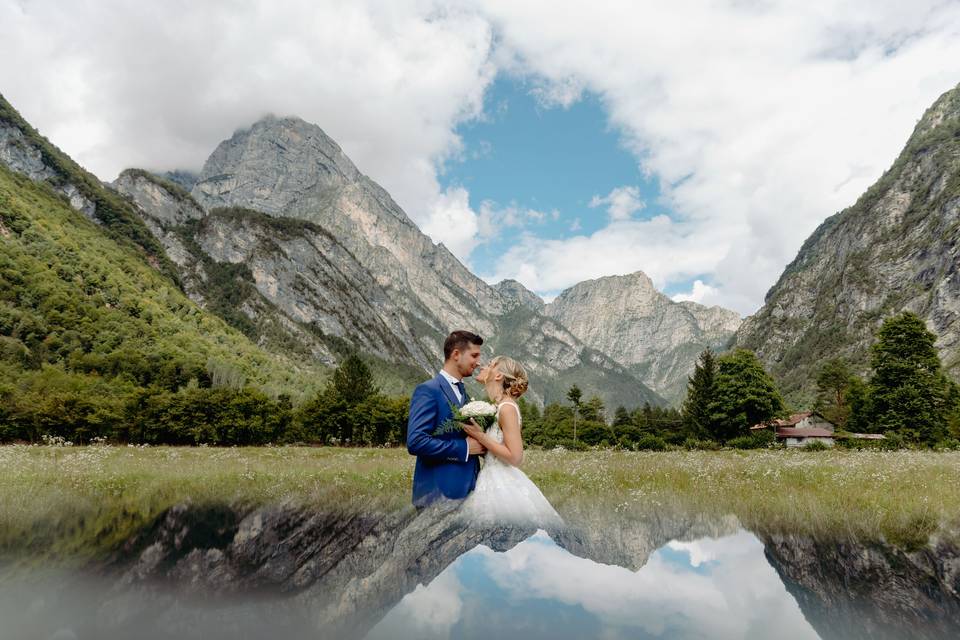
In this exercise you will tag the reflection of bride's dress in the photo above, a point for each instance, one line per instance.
(504, 494)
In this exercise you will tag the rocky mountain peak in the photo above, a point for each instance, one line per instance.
(413, 291)
(633, 293)
(714, 319)
(515, 295)
(271, 163)
(657, 337)
(945, 110)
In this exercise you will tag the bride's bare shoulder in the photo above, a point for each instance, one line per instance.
(512, 404)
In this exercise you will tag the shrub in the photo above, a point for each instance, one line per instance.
(706, 445)
(744, 442)
(949, 444)
(651, 443)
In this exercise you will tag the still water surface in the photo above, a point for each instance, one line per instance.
(706, 588)
(728, 585)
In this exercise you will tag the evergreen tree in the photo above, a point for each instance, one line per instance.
(557, 425)
(593, 410)
(744, 395)
(352, 380)
(833, 381)
(908, 391)
(858, 402)
(625, 429)
(593, 423)
(700, 393)
(621, 417)
(574, 395)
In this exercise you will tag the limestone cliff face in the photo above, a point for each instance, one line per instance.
(290, 168)
(17, 153)
(306, 287)
(897, 248)
(516, 295)
(628, 318)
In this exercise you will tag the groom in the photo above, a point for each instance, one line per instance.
(448, 464)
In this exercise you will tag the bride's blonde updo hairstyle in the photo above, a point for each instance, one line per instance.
(515, 380)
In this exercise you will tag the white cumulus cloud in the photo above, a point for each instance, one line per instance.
(700, 292)
(621, 202)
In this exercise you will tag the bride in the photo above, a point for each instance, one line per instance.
(504, 494)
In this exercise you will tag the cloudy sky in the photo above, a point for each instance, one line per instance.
(698, 141)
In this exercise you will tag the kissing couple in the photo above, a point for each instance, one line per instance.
(448, 461)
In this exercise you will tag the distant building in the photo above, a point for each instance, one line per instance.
(801, 429)
(808, 427)
(802, 436)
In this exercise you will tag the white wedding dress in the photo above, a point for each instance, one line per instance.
(504, 494)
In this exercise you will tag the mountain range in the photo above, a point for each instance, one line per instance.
(282, 237)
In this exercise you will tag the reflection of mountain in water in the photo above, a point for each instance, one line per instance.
(871, 590)
(213, 572)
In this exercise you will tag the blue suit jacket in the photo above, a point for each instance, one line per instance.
(443, 467)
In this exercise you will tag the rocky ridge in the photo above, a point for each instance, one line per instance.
(24, 151)
(628, 318)
(897, 248)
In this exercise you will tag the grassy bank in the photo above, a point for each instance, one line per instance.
(77, 501)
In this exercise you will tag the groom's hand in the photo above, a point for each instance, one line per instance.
(474, 447)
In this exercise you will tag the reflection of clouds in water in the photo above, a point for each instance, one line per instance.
(426, 612)
(723, 588)
(699, 553)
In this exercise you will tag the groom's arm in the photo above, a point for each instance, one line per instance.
(423, 415)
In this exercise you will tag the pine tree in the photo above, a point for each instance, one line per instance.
(574, 395)
(700, 393)
(352, 380)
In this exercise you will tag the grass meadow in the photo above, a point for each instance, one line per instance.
(82, 501)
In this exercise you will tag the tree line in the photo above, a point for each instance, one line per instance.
(906, 396)
(349, 410)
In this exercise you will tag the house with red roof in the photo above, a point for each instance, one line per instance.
(801, 429)
(808, 427)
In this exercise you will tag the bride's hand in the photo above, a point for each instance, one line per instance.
(473, 429)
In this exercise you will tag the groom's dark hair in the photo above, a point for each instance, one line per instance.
(459, 340)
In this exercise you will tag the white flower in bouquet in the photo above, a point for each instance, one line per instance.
(483, 413)
(478, 409)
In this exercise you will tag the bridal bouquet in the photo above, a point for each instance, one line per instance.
(483, 413)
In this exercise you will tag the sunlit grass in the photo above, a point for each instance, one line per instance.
(85, 500)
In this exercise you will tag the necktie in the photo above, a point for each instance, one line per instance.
(463, 392)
